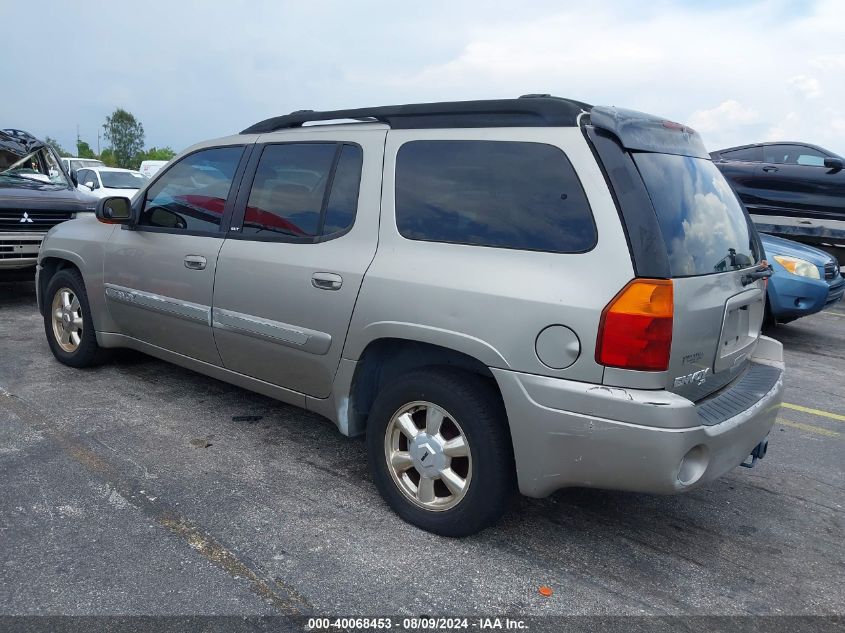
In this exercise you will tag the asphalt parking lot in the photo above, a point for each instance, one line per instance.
(142, 488)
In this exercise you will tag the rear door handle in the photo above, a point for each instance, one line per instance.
(770, 168)
(326, 281)
(195, 262)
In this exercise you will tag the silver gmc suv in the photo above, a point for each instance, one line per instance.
(532, 293)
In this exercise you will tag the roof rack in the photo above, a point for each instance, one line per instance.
(526, 111)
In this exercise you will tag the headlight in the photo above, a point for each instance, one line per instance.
(799, 267)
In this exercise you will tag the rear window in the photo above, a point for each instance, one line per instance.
(492, 193)
(703, 225)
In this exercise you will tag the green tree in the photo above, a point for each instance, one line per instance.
(159, 153)
(107, 156)
(125, 135)
(55, 145)
(83, 150)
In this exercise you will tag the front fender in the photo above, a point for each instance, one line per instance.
(80, 242)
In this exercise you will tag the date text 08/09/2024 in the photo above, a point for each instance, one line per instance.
(411, 624)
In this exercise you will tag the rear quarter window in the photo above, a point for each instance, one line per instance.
(503, 194)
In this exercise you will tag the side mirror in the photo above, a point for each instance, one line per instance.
(114, 210)
(834, 163)
(73, 178)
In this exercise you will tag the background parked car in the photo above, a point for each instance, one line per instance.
(35, 195)
(73, 163)
(806, 280)
(796, 190)
(150, 167)
(110, 181)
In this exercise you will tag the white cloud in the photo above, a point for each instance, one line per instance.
(808, 87)
(729, 113)
(735, 71)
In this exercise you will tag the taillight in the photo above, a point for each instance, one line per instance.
(635, 331)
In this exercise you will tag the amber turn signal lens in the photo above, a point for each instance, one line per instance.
(635, 331)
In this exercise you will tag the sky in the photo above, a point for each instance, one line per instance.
(738, 72)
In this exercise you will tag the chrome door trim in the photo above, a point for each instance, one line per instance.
(159, 303)
(285, 334)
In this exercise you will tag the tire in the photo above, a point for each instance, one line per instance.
(471, 409)
(79, 348)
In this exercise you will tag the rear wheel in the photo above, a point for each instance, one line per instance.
(440, 451)
(67, 321)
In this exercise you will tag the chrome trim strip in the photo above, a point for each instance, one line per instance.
(161, 304)
(285, 334)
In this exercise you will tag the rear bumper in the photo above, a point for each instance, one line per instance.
(19, 250)
(574, 434)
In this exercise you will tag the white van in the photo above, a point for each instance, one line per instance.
(150, 167)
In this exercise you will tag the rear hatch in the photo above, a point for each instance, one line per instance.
(685, 223)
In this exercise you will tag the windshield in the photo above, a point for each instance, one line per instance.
(39, 166)
(79, 164)
(704, 227)
(122, 179)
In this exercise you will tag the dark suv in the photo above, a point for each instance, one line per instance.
(35, 194)
(792, 189)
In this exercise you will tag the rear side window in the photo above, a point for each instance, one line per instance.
(703, 225)
(492, 193)
(304, 190)
(749, 154)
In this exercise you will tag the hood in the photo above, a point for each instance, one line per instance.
(779, 246)
(21, 194)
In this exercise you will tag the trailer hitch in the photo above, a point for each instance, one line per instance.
(758, 453)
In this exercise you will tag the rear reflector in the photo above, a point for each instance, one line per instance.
(635, 331)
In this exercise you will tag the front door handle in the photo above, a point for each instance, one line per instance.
(770, 168)
(326, 281)
(195, 262)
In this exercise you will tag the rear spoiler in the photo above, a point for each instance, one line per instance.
(647, 133)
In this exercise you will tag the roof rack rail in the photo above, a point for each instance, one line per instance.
(527, 111)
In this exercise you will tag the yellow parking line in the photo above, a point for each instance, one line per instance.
(824, 414)
(809, 428)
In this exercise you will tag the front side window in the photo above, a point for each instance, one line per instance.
(492, 193)
(793, 155)
(703, 225)
(304, 190)
(192, 194)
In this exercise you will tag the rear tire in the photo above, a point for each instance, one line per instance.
(67, 321)
(456, 476)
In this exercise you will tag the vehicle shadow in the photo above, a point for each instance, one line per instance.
(17, 293)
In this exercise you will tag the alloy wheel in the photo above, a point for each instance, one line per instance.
(67, 319)
(428, 456)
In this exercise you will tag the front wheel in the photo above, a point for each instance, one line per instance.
(67, 321)
(440, 451)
